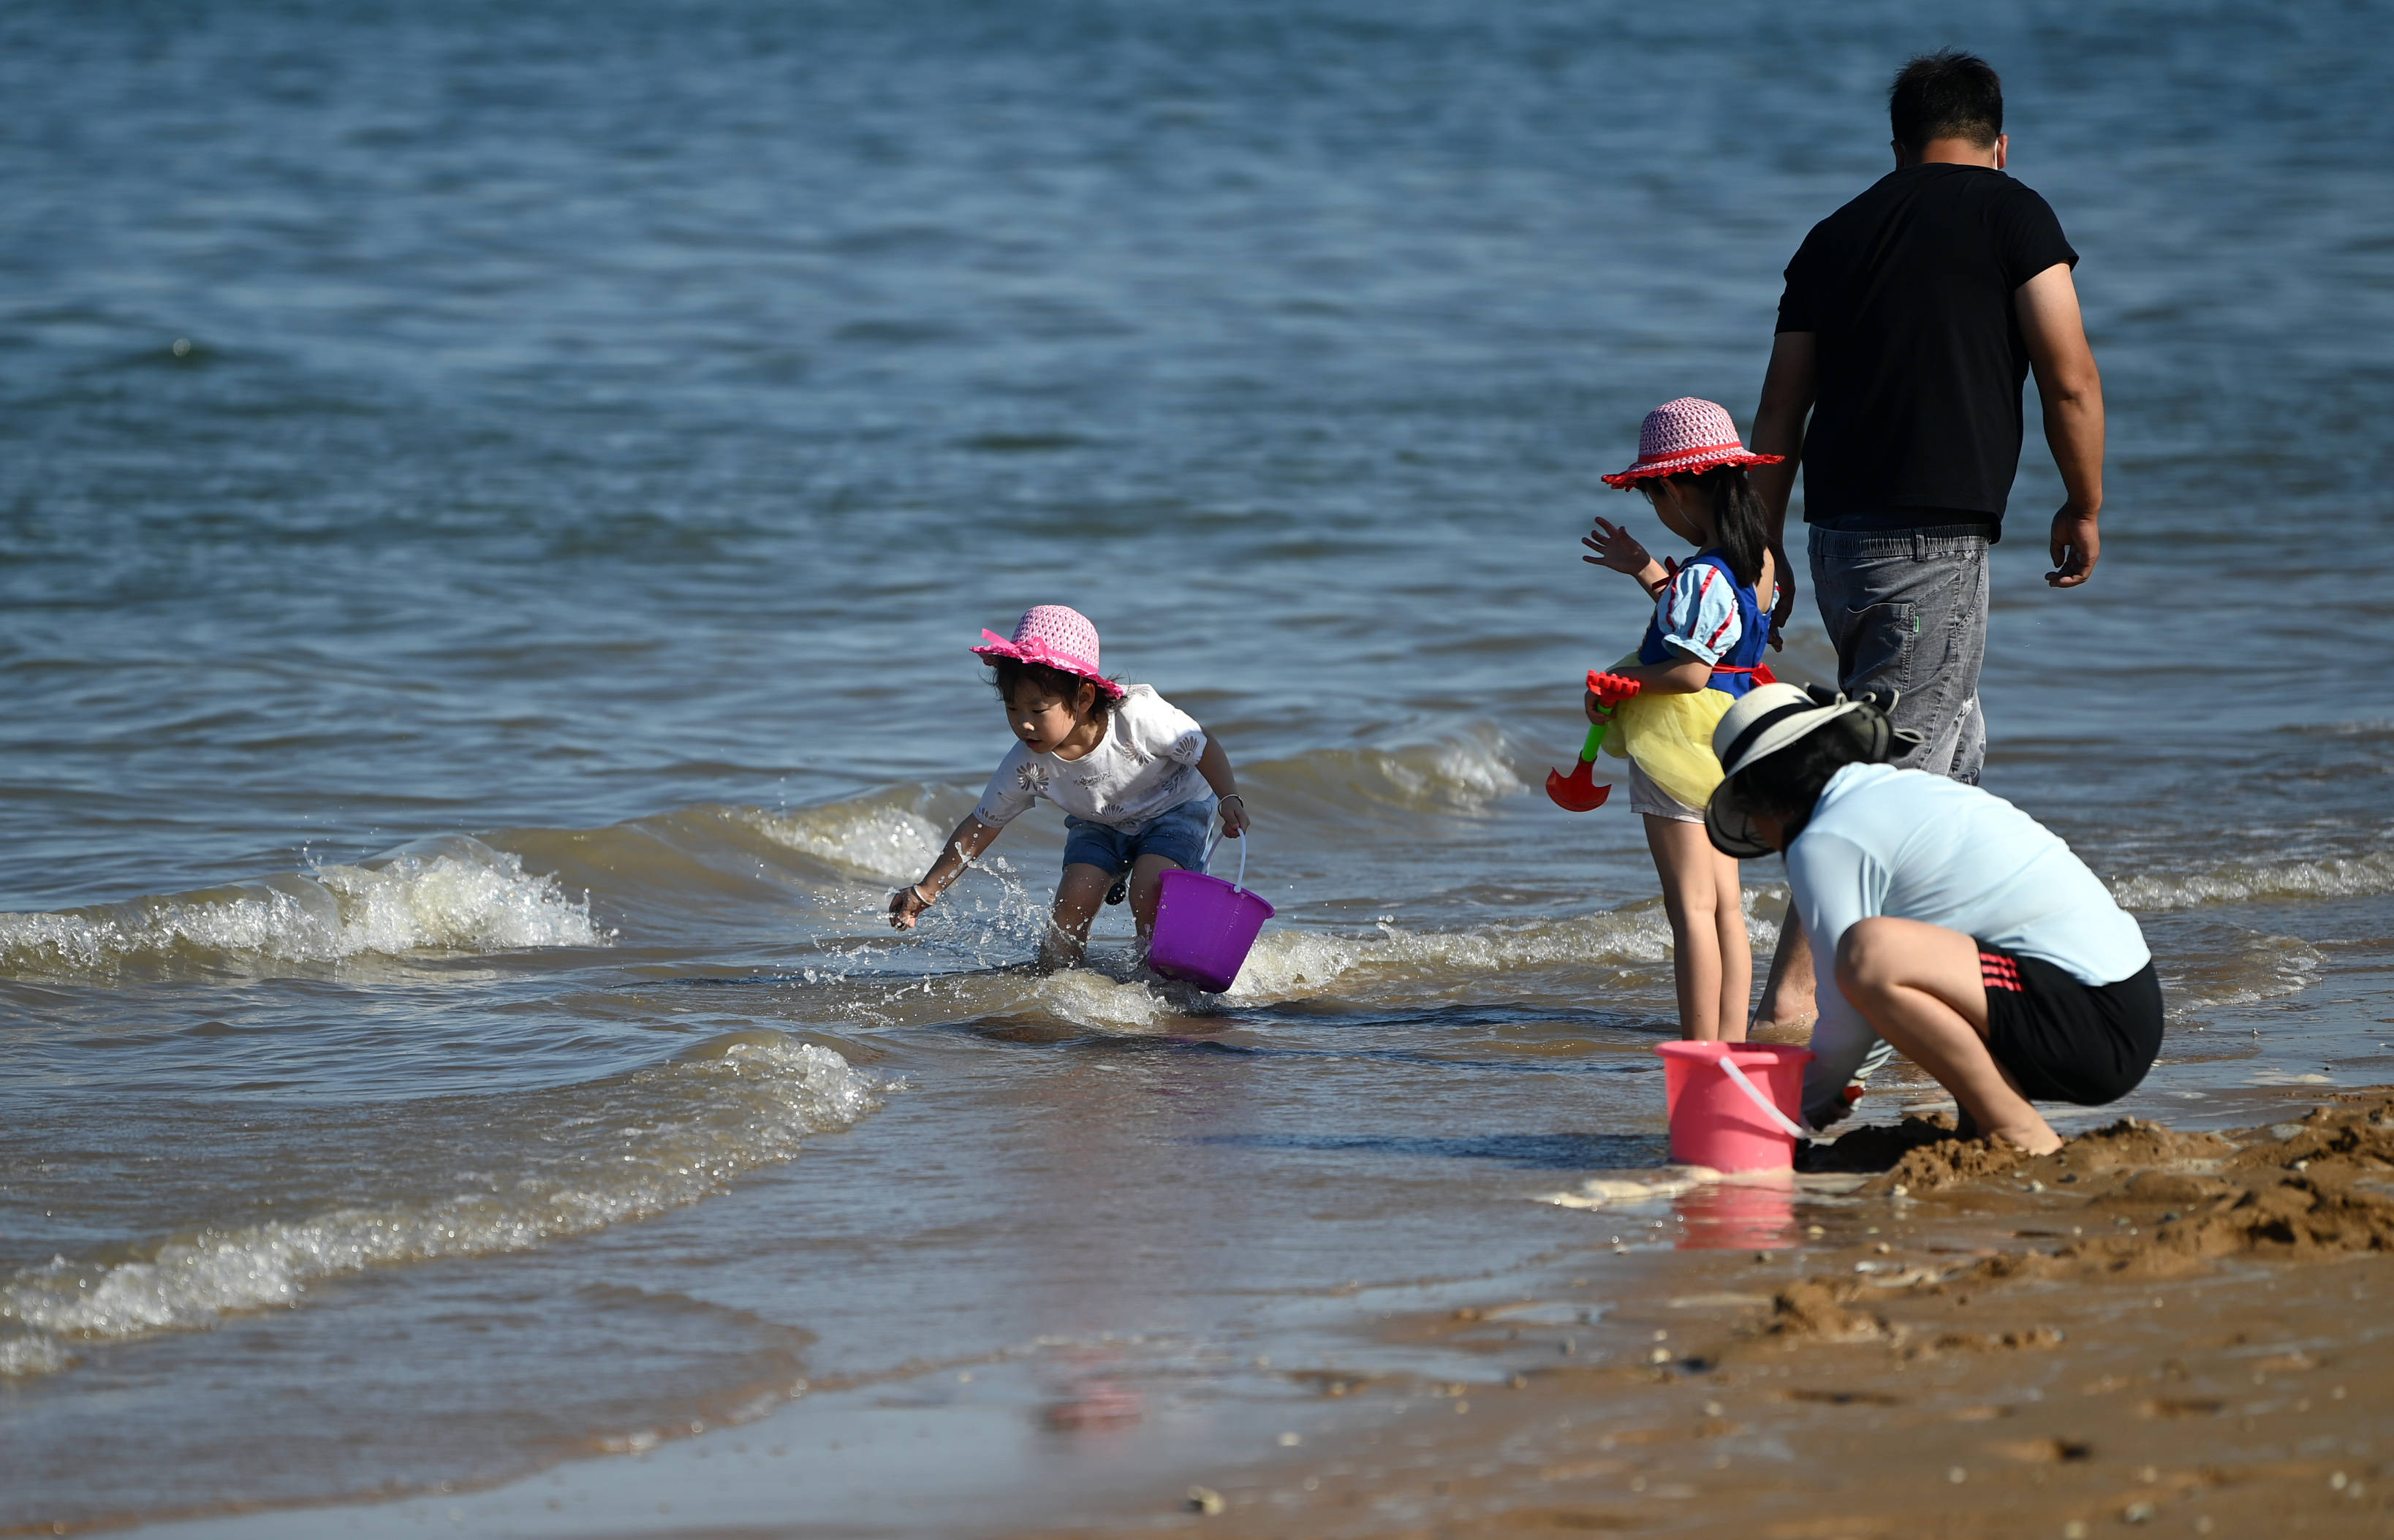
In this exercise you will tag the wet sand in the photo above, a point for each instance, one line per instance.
(2184, 1331)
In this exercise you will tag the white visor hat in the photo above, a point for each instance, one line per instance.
(1768, 718)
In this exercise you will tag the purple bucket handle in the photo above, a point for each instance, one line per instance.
(1207, 861)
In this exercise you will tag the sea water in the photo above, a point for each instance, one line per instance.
(493, 503)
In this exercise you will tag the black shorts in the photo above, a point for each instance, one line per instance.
(2065, 1041)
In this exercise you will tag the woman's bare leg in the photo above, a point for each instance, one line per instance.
(1683, 859)
(1919, 986)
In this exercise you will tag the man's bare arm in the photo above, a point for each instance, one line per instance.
(1789, 385)
(2071, 389)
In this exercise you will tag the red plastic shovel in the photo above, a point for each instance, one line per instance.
(1578, 791)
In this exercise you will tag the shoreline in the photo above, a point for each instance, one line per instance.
(2147, 1328)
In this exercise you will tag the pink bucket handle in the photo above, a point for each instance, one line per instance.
(1770, 1108)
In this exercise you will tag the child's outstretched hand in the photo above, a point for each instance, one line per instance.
(1234, 816)
(1616, 548)
(906, 905)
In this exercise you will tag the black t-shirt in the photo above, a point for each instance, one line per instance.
(1908, 292)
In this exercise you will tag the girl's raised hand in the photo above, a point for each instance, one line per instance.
(1616, 548)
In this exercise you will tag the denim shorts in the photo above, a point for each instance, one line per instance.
(1177, 833)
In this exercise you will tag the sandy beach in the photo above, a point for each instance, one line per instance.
(2185, 1331)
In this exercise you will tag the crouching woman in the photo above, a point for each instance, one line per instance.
(1966, 935)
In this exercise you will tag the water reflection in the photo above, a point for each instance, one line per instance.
(1740, 1216)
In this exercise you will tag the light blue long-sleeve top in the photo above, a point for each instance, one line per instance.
(1920, 847)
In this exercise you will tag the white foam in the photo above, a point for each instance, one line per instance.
(1288, 962)
(673, 1135)
(2336, 877)
(883, 843)
(1092, 999)
(2261, 967)
(23, 1357)
(448, 895)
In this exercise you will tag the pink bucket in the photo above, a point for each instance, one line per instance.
(1205, 926)
(1745, 1122)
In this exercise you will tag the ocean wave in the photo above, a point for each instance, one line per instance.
(865, 836)
(2240, 970)
(449, 894)
(1453, 775)
(663, 1138)
(1289, 963)
(2336, 877)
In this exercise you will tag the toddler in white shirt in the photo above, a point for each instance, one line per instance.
(1138, 781)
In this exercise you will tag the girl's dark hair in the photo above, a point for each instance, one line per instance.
(1739, 528)
(1786, 784)
(1007, 673)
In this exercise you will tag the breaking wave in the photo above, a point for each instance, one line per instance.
(660, 1138)
(1455, 775)
(865, 837)
(449, 894)
(2336, 877)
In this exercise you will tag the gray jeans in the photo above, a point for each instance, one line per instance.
(1907, 609)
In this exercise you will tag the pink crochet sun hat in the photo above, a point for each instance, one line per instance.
(1688, 434)
(1054, 635)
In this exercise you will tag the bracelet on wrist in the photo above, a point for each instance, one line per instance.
(1234, 796)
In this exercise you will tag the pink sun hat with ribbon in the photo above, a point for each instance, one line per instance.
(1054, 635)
(1688, 434)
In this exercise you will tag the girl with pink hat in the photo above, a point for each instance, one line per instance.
(1138, 780)
(1703, 650)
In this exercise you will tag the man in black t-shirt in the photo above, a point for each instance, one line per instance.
(1910, 320)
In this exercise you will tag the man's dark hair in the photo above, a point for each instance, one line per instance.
(1787, 784)
(1947, 95)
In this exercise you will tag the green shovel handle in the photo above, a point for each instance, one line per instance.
(1594, 742)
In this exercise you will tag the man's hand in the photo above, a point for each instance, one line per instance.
(2076, 542)
(1782, 602)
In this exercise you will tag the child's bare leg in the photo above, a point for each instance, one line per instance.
(1919, 986)
(1683, 859)
(1079, 893)
(1736, 947)
(1147, 890)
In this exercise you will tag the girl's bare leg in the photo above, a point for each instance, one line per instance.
(1147, 890)
(1919, 985)
(1683, 859)
(1079, 893)
(1736, 947)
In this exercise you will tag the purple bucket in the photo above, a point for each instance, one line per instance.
(1204, 928)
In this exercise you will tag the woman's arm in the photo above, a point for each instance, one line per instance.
(970, 838)
(1214, 765)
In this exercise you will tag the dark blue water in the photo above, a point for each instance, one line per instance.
(493, 499)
